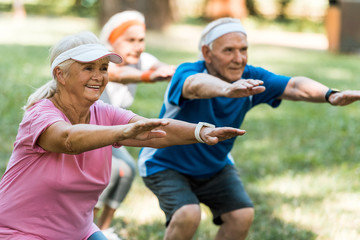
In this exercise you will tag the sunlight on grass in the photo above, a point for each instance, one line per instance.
(141, 205)
(336, 73)
(337, 214)
(39, 31)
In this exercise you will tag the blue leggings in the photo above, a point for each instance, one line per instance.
(97, 236)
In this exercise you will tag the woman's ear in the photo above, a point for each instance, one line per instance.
(59, 75)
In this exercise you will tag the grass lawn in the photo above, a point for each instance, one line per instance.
(299, 162)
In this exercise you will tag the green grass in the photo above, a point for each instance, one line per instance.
(299, 162)
(22, 68)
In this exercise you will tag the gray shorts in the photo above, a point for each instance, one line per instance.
(222, 193)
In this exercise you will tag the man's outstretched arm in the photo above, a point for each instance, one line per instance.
(306, 89)
(202, 85)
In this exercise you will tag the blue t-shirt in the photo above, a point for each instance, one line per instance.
(199, 159)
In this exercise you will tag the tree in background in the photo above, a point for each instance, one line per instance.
(225, 8)
(283, 5)
(158, 13)
(333, 25)
(251, 8)
(18, 9)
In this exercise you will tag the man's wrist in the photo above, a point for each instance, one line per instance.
(329, 92)
(198, 128)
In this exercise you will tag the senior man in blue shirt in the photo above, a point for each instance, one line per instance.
(218, 91)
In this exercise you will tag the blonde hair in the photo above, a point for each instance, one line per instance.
(48, 89)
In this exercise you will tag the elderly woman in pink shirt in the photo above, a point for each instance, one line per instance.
(61, 160)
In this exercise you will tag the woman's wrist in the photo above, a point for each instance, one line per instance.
(146, 76)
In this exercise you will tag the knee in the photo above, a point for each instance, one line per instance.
(127, 170)
(188, 215)
(184, 222)
(240, 219)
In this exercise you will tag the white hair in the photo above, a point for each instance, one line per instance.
(115, 21)
(68, 42)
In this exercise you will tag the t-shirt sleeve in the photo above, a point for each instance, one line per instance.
(39, 121)
(275, 85)
(147, 61)
(177, 82)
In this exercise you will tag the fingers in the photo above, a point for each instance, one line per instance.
(144, 129)
(344, 97)
(244, 88)
(148, 124)
(214, 135)
(249, 83)
(156, 134)
(258, 89)
(164, 72)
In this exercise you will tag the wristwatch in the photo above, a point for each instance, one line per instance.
(199, 127)
(329, 92)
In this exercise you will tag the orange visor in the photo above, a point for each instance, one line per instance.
(118, 31)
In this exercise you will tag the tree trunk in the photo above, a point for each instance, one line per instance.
(18, 9)
(251, 7)
(107, 8)
(226, 8)
(158, 13)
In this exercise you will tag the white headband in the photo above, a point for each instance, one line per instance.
(219, 31)
(85, 53)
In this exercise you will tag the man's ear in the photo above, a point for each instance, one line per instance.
(59, 74)
(206, 52)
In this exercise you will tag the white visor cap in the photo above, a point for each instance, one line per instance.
(86, 53)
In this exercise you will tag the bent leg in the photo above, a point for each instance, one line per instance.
(184, 223)
(122, 176)
(229, 202)
(106, 217)
(236, 224)
(178, 201)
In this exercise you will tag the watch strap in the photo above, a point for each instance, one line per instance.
(329, 92)
(199, 126)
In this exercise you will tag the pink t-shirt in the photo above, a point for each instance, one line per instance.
(46, 195)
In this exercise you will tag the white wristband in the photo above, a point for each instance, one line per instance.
(199, 127)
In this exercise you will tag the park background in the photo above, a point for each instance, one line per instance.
(299, 162)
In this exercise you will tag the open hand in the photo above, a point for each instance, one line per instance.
(244, 88)
(163, 73)
(144, 129)
(344, 97)
(212, 136)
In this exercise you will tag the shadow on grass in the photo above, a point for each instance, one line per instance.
(266, 226)
(132, 230)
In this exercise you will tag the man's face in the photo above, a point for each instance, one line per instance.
(228, 56)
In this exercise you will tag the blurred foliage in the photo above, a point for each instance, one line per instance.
(261, 22)
(265, 9)
(82, 8)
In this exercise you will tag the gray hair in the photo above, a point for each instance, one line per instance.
(48, 89)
